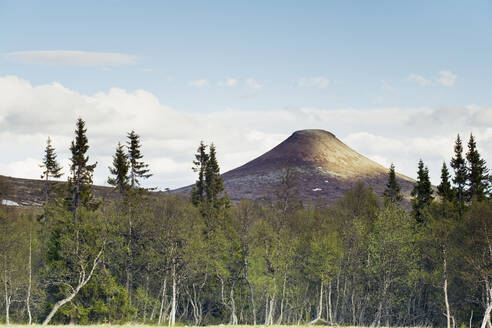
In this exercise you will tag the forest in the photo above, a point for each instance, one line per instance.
(166, 259)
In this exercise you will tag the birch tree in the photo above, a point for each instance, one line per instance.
(74, 253)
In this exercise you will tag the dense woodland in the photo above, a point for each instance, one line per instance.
(199, 260)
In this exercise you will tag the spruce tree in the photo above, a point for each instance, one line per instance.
(200, 165)
(80, 180)
(209, 185)
(138, 169)
(392, 193)
(52, 168)
(460, 176)
(121, 180)
(214, 185)
(444, 189)
(421, 193)
(477, 173)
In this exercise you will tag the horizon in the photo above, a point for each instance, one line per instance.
(395, 88)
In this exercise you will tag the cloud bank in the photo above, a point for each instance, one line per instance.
(444, 78)
(72, 58)
(30, 113)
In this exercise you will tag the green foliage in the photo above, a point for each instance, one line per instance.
(444, 189)
(460, 175)
(80, 180)
(52, 168)
(138, 169)
(392, 192)
(208, 191)
(121, 179)
(421, 193)
(200, 166)
(280, 262)
(478, 179)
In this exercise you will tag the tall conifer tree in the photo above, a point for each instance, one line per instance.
(52, 168)
(209, 186)
(138, 169)
(460, 175)
(392, 193)
(477, 173)
(444, 189)
(214, 185)
(121, 180)
(80, 180)
(422, 192)
(200, 165)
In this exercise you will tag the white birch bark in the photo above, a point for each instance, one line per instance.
(83, 280)
(172, 315)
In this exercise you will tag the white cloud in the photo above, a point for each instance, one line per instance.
(198, 83)
(420, 80)
(253, 84)
(72, 58)
(387, 86)
(30, 113)
(320, 82)
(444, 78)
(229, 82)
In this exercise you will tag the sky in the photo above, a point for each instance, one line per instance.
(394, 80)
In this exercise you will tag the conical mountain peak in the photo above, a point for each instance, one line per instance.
(325, 169)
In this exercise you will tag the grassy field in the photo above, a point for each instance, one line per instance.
(154, 326)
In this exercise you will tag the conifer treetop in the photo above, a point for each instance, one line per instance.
(138, 169)
(392, 193)
(80, 180)
(444, 189)
(120, 168)
(478, 178)
(52, 168)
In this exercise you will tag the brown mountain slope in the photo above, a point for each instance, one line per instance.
(30, 192)
(325, 169)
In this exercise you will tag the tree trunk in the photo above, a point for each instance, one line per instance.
(252, 302)
(377, 318)
(163, 298)
(28, 298)
(83, 280)
(272, 310)
(320, 307)
(172, 315)
(7, 296)
(280, 317)
(486, 316)
(129, 260)
(445, 288)
(233, 306)
(338, 297)
(266, 309)
(330, 315)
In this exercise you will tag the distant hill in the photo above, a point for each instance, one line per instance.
(325, 169)
(30, 192)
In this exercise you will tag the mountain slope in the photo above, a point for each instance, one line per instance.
(325, 168)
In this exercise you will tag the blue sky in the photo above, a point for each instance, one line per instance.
(359, 46)
(205, 57)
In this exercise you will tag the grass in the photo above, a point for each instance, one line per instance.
(154, 326)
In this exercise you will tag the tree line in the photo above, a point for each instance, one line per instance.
(166, 259)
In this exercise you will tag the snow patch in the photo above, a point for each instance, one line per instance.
(317, 189)
(7, 202)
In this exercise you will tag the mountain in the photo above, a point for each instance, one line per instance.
(324, 169)
(30, 192)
